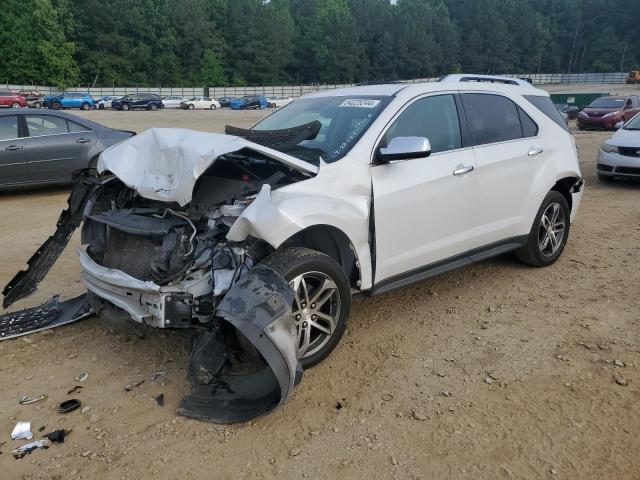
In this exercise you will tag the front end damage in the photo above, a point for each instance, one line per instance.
(155, 249)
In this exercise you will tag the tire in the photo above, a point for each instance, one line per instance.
(85, 106)
(315, 268)
(545, 245)
(191, 106)
(125, 107)
(37, 105)
(153, 107)
(213, 107)
(56, 106)
(605, 178)
(15, 105)
(101, 106)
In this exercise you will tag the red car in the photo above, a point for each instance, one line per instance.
(13, 100)
(607, 112)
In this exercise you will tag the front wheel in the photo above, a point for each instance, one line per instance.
(322, 300)
(125, 107)
(153, 107)
(191, 106)
(37, 105)
(549, 233)
(213, 106)
(57, 106)
(85, 106)
(15, 105)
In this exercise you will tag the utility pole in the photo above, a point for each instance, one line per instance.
(573, 47)
(584, 49)
(624, 51)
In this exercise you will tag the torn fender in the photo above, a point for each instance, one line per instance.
(258, 306)
(165, 163)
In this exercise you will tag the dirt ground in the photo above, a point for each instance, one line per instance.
(493, 371)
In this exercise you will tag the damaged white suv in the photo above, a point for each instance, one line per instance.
(258, 238)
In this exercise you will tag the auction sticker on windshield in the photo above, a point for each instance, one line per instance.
(360, 103)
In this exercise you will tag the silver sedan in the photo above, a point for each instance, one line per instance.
(620, 155)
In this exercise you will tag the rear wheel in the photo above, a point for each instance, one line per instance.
(37, 105)
(153, 107)
(57, 106)
(125, 107)
(191, 106)
(85, 106)
(549, 233)
(15, 105)
(213, 106)
(322, 300)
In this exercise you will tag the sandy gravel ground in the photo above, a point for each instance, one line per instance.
(494, 371)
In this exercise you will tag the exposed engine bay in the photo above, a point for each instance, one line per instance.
(169, 264)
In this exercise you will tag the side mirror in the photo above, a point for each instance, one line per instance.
(404, 148)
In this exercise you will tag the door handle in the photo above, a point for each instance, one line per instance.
(13, 148)
(462, 169)
(535, 151)
(83, 140)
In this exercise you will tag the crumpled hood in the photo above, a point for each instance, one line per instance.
(164, 163)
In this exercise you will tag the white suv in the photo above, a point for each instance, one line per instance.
(268, 232)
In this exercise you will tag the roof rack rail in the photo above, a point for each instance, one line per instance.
(379, 82)
(463, 77)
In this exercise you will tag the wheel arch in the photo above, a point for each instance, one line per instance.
(566, 187)
(333, 242)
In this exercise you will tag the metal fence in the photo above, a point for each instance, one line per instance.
(298, 90)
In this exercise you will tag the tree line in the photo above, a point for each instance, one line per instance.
(266, 42)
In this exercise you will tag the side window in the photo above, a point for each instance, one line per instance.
(435, 118)
(492, 118)
(76, 127)
(546, 106)
(45, 125)
(529, 127)
(8, 127)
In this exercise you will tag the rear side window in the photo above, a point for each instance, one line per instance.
(40, 126)
(546, 106)
(8, 127)
(491, 118)
(76, 127)
(529, 127)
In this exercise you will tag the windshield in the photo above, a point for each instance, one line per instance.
(343, 121)
(604, 102)
(633, 124)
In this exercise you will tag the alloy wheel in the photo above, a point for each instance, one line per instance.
(551, 230)
(316, 311)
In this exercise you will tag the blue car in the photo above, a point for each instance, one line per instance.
(83, 101)
(249, 102)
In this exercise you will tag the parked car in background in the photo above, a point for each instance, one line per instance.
(608, 112)
(12, 100)
(226, 101)
(620, 155)
(41, 147)
(249, 102)
(634, 77)
(172, 101)
(83, 101)
(199, 103)
(147, 101)
(570, 111)
(277, 102)
(33, 97)
(105, 102)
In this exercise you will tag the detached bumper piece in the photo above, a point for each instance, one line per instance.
(258, 308)
(26, 281)
(48, 315)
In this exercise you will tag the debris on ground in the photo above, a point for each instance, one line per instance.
(82, 377)
(20, 452)
(22, 431)
(69, 405)
(74, 389)
(26, 400)
(57, 436)
(159, 375)
(160, 399)
(130, 386)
